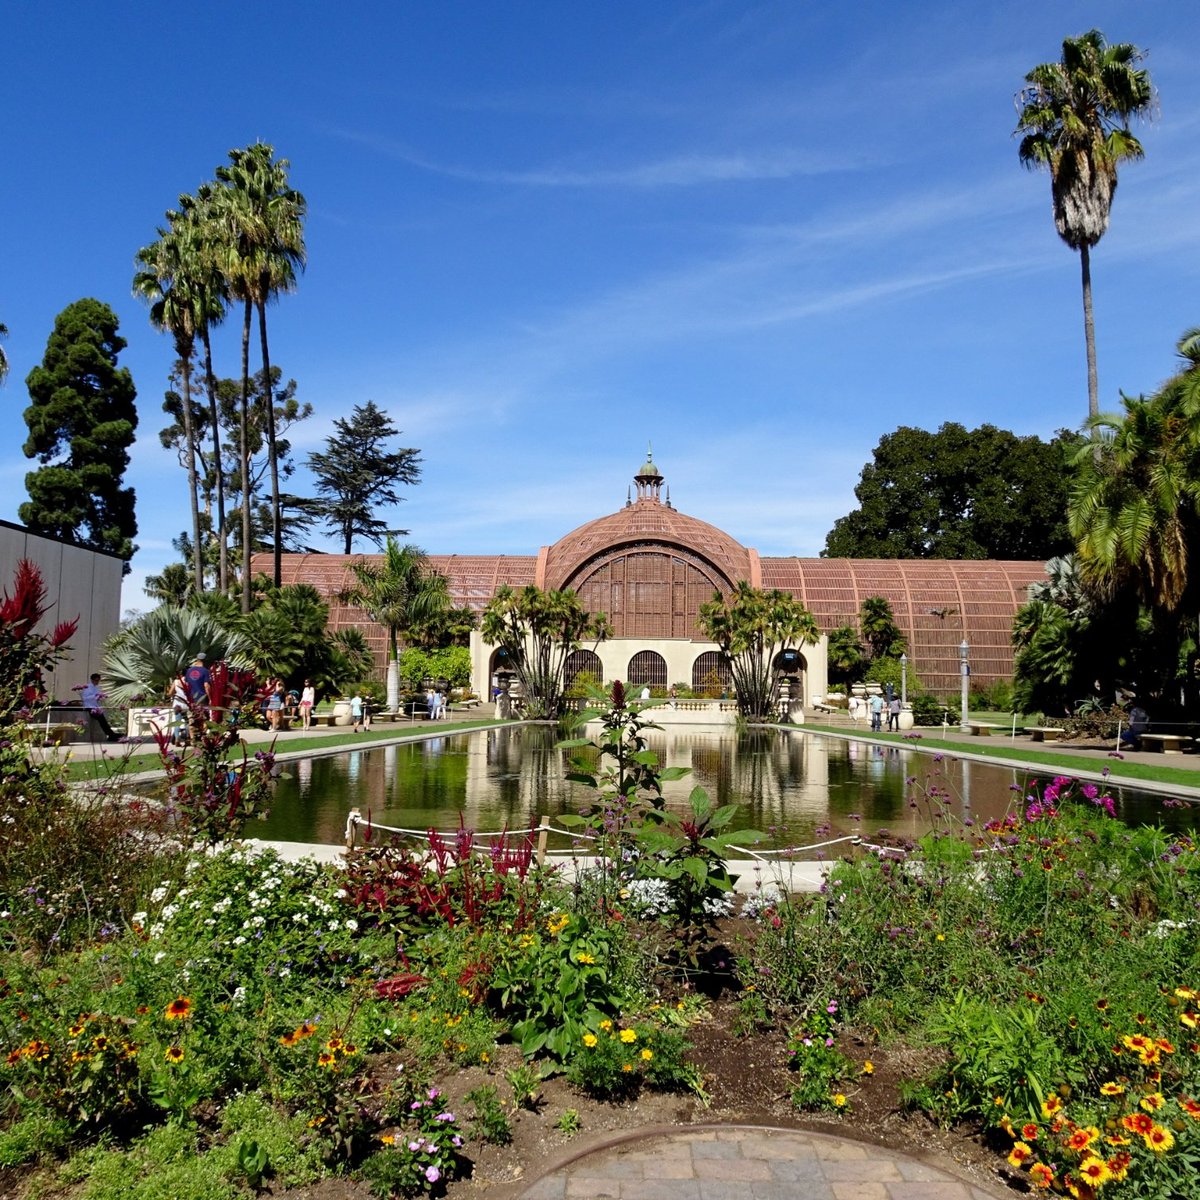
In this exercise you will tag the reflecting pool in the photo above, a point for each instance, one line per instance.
(791, 785)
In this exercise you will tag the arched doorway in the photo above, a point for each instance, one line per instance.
(711, 675)
(580, 661)
(791, 665)
(647, 668)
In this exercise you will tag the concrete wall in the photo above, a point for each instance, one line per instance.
(679, 654)
(79, 583)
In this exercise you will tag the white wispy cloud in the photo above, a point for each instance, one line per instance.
(680, 170)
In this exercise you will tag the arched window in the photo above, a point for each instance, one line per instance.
(579, 661)
(711, 675)
(647, 667)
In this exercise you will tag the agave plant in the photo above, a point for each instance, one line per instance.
(142, 661)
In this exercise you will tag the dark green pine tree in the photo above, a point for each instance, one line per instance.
(81, 424)
(357, 475)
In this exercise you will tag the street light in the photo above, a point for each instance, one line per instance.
(903, 678)
(963, 653)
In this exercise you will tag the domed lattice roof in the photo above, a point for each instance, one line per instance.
(645, 523)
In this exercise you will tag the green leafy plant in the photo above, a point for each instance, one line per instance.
(568, 1122)
(422, 1154)
(526, 1084)
(818, 1064)
(490, 1122)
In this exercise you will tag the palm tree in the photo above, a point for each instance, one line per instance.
(402, 593)
(263, 219)
(143, 660)
(1135, 505)
(162, 281)
(1074, 117)
(197, 226)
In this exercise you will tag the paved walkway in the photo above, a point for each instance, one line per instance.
(734, 1162)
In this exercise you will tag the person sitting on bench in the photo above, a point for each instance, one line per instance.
(1139, 722)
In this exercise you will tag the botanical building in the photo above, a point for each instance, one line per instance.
(649, 567)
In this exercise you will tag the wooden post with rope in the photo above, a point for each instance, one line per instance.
(543, 838)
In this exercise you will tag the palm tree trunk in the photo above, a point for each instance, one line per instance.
(1089, 334)
(193, 497)
(210, 383)
(272, 456)
(244, 451)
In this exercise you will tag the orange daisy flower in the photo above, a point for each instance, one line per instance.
(1159, 1139)
(1152, 1102)
(1029, 1132)
(1051, 1105)
(174, 1054)
(1095, 1171)
(1020, 1154)
(179, 1009)
(1041, 1176)
(1111, 1089)
(325, 1059)
(1190, 1107)
(1138, 1123)
(1082, 1138)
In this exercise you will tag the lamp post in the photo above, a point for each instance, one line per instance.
(963, 654)
(903, 678)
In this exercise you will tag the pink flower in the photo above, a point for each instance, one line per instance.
(432, 1174)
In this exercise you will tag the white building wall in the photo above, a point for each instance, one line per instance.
(79, 583)
(680, 655)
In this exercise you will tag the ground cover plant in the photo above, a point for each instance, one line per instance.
(227, 1021)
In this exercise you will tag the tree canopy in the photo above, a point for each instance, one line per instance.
(539, 630)
(356, 475)
(959, 493)
(81, 423)
(752, 627)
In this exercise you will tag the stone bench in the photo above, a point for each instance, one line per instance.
(982, 728)
(1045, 733)
(54, 734)
(1164, 743)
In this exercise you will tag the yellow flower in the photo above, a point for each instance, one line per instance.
(388, 1139)
(1152, 1102)
(485, 1057)
(628, 1036)
(179, 1009)
(1159, 1139)
(1020, 1154)
(868, 1068)
(1111, 1089)
(647, 1055)
(174, 1054)
(584, 958)
(839, 1101)
(589, 1040)
(941, 937)
(627, 1067)
(606, 1024)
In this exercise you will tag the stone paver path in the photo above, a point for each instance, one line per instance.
(750, 1163)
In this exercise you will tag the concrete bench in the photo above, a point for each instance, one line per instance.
(1045, 733)
(1164, 743)
(982, 728)
(473, 703)
(54, 734)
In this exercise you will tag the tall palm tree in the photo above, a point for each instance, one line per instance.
(1135, 506)
(197, 227)
(264, 224)
(402, 593)
(1074, 117)
(162, 281)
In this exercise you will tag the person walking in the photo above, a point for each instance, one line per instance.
(91, 697)
(356, 711)
(308, 701)
(876, 713)
(894, 714)
(198, 680)
(179, 710)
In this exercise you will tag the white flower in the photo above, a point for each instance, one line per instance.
(168, 913)
(138, 918)
(239, 940)
(284, 972)
(159, 894)
(334, 926)
(351, 924)
(156, 930)
(239, 996)
(160, 956)
(209, 922)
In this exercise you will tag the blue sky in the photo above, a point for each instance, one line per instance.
(543, 234)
